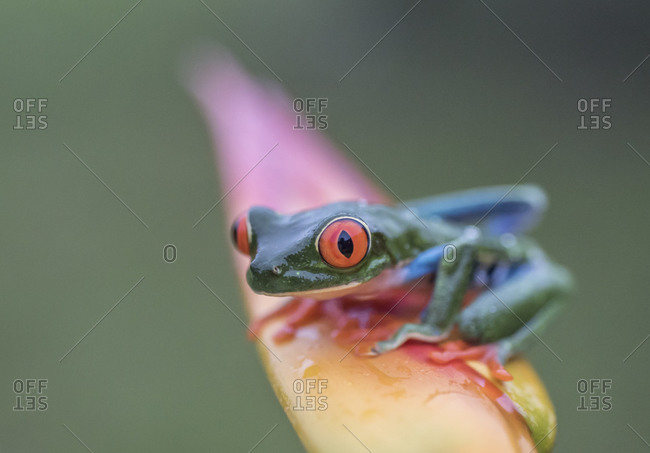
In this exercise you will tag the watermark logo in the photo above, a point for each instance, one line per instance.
(169, 253)
(594, 395)
(310, 113)
(449, 253)
(30, 394)
(594, 113)
(309, 394)
(30, 114)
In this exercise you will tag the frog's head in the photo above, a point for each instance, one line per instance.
(317, 253)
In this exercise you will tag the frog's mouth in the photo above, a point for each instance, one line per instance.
(389, 278)
(323, 293)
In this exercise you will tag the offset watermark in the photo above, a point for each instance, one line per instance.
(594, 113)
(30, 114)
(310, 113)
(309, 394)
(30, 394)
(169, 253)
(594, 395)
(449, 253)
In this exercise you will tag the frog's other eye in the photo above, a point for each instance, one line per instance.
(241, 235)
(344, 242)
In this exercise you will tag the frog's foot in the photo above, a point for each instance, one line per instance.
(298, 312)
(307, 311)
(255, 327)
(421, 332)
(492, 355)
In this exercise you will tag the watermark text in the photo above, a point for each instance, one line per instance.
(593, 395)
(594, 113)
(310, 394)
(30, 114)
(30, 394)
(310, 113)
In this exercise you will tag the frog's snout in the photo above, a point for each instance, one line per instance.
(265, 277)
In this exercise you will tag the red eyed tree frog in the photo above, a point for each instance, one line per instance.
(462, 240)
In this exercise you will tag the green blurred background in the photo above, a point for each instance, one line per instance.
(449, 99)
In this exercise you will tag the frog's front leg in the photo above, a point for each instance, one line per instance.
(407, 332)
(453, 277)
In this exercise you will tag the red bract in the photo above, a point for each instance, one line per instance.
(399, 401)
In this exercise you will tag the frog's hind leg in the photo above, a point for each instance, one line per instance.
(498, 209)
(512, 313)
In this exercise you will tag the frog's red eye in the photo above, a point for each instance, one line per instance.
(241, 235)
(344, 242)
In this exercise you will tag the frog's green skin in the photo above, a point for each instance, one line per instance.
(522, 289)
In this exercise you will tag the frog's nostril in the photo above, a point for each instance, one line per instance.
(265, 268)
